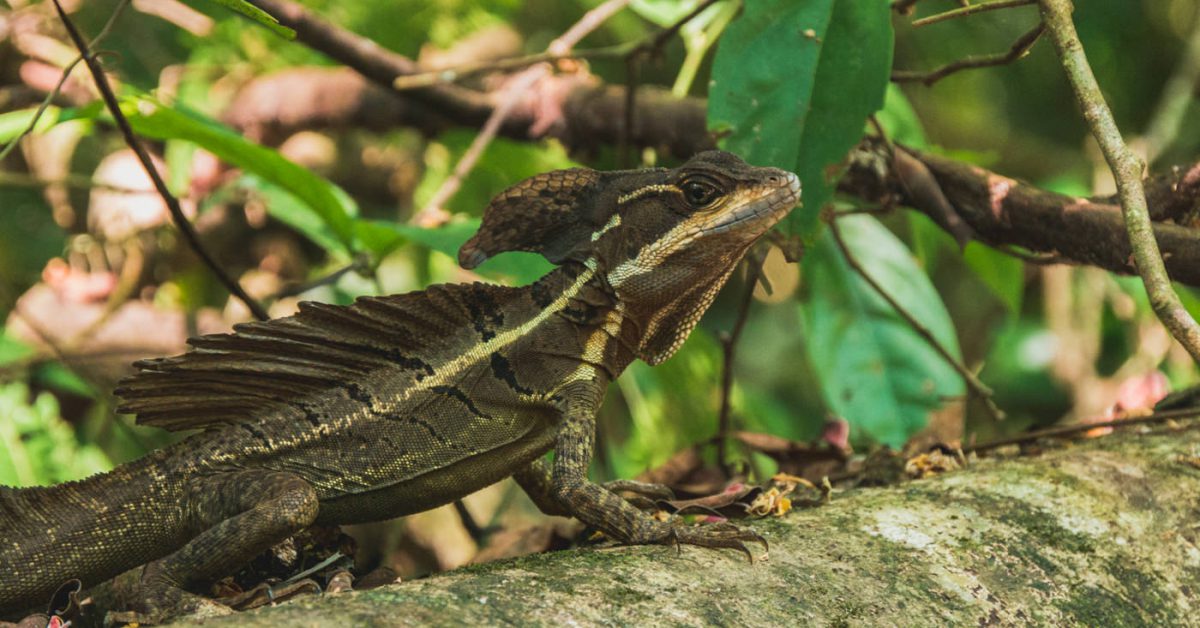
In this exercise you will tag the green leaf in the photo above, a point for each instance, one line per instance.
(792, 86)
(258, 15)
(875, 370)
(289, 210)
(14, 123)
(329, 202)
(1003, 274)
(900, 120)
(13, 351)
(36, 445)
(381, 237)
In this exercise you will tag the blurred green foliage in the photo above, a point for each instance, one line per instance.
(791, 84)
(36, 445)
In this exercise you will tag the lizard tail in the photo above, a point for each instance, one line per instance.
(90, 529)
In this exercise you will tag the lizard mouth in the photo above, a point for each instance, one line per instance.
(765, 206)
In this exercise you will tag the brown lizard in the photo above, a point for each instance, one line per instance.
(397, 404)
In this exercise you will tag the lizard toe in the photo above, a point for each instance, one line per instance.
(717, 536)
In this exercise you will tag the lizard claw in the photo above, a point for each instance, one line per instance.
(717, 536)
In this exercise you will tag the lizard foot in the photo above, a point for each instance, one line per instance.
(716, 536)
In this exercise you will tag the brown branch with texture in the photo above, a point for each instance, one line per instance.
(1001, 211)
(177, 215)
(586, 111)
(1127, 168)
(375, 62)
(1004, 212)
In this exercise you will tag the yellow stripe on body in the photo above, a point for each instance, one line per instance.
(442, 374)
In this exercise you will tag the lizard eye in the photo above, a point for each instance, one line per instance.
(699, 193)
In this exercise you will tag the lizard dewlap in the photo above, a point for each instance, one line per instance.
(398, 404)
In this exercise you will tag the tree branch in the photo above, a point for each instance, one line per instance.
(1005, 212)
(1127, 169)
(592, 114)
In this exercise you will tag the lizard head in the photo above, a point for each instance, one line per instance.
(663, 240)
(712, 204)
(691, 225)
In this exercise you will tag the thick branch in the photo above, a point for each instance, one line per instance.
(554, 109)
(1098, 534)
(1004, 211)
(585, 114)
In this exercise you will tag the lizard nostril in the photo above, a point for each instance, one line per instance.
(773, 180)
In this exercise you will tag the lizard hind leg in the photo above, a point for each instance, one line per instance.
(237, 516)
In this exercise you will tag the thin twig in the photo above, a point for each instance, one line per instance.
(432, 213)
(560, 49)
(977, 387)
(1019, 49)
(971, 9)
(648, 48)
(1177, 96)
(181, 221)
(1127, 169)
(655, 44)
(1067, 430)
(628, 113)
(729, 344)
(359, 265)
(590, 21)
(62, 80)
(467, 70)
(477, 534)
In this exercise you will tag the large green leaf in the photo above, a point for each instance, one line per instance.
(875, 370)
(334, 207)
(792, 86)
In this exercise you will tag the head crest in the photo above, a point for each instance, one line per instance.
(554, 214)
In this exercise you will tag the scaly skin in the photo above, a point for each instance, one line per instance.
(394, 405)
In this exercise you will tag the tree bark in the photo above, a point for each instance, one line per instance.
(1101, 533)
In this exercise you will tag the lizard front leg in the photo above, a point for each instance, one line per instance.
(536, 481)
(605, 510)
(237, 516)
